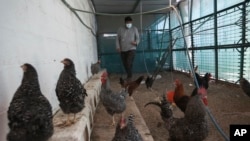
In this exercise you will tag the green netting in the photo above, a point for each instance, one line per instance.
(148, 52)
(247, 64)
(230, 26)
(228, 64)
(180, 61)
(203, 32)
(205, 60)
(231, 29)
(205, 47)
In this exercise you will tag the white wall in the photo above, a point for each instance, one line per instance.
(42, 32)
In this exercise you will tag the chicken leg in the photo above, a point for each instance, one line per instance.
(74, 119)
(131, 98)
(65, 123)
(113, 120)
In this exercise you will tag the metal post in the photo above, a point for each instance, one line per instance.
(191, 30)
(170, 40)
(216, 40)
(243, 39)
(149, 40)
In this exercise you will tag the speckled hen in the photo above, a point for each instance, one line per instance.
(70, 91)
(114, 102)
(30, 113)
(126, 130)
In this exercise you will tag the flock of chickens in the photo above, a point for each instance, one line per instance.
(30, 113)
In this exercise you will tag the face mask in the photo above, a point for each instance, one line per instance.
(129, 25)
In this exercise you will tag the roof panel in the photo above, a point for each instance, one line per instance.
(128, 6)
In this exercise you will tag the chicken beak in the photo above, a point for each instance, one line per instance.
(123, 123)
(122, 126)
(24, 68)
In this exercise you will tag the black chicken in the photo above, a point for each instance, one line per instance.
(114, 102)
(126, 131)
(245, 86)
(149, 82)
(194, 126)
(70, 91)
(30, 113)
(202, 82)
(95, 68)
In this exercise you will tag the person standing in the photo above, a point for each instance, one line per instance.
(126, 42)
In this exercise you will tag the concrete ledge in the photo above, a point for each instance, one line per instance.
(81, 130)
(90, 123)
(102, 130)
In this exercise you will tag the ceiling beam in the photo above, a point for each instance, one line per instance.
(135, 6)
(94, 5)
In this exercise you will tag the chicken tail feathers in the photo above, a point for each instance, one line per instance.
(149, 82)
(139, 80)
(153, 103)
(121, 81)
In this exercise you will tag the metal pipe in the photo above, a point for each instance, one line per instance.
(163, 33)
(191, 28)
(79, 18)
(216, 40)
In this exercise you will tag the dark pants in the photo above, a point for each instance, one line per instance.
(127, 60)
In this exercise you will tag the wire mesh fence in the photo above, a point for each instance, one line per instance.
(218, 46)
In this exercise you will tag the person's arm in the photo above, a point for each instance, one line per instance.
(118, 48)
(137, 37)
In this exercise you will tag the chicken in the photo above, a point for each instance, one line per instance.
(126, 131)
(70, 91)
(30, 113)
(149, 82)
(245, 86)
(95, 68)
(193, 126)
(202, 82)
(114, 102)
(190, 74)
(131, 85)
(170, 96)
(166, 110)
(180, 98)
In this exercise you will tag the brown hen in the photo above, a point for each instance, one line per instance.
(131, 85)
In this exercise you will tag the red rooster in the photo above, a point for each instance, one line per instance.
(181, 99)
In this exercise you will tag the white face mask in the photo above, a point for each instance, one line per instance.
(129, 25)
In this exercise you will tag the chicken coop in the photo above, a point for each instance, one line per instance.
(181, 42)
